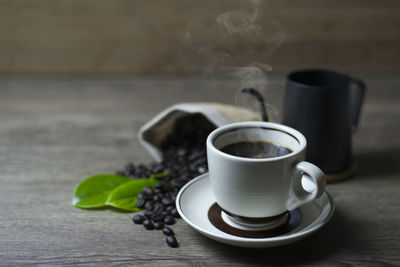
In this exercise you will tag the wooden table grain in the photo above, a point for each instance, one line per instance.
(54, 132)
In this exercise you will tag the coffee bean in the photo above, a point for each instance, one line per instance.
(169, 220)
(192, 156)
(148, 224)
(140, 204)
(156, 197)
(159, 185)
(165, 213)
(147, 197)
(158, 225)
(158, 191)
(175, 213)
(169, 208)
(158, 207)
(185, 178)
(147, 214)
(148, 190)
(148, 205)
(167, 187)
(167, 201)
(167, 231)
(157, 217)
(177, 183)
(138, 219)
(171, 241)
(157, 169)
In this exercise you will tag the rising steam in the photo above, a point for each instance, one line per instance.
(240, 44)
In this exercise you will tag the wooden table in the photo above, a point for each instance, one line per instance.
(54, 132)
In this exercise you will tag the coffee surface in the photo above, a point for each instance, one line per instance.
(256, 149)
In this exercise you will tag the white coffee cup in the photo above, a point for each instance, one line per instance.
(254, 189)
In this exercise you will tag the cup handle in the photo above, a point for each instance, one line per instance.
(297, 194)
(356, 102)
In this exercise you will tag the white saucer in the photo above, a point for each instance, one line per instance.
(195, 199)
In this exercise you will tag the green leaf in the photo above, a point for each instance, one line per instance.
(158, 175)
(93, 191)
(125, 196)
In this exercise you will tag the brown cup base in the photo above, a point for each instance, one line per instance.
(255, 221)
(214, 215)
(338, 176)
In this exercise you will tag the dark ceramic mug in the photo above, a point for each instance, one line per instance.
(325, 107)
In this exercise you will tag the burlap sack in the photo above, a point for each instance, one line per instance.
(153, 132)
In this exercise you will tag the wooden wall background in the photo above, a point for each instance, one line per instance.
(146, 36)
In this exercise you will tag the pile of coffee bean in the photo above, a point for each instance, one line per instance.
(184, 158)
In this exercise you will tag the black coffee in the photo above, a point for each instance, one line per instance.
(256, 149)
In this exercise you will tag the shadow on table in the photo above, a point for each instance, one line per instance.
(378, 163)
(340, 234)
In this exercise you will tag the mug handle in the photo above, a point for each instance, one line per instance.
(357, 101)
(297, 194)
